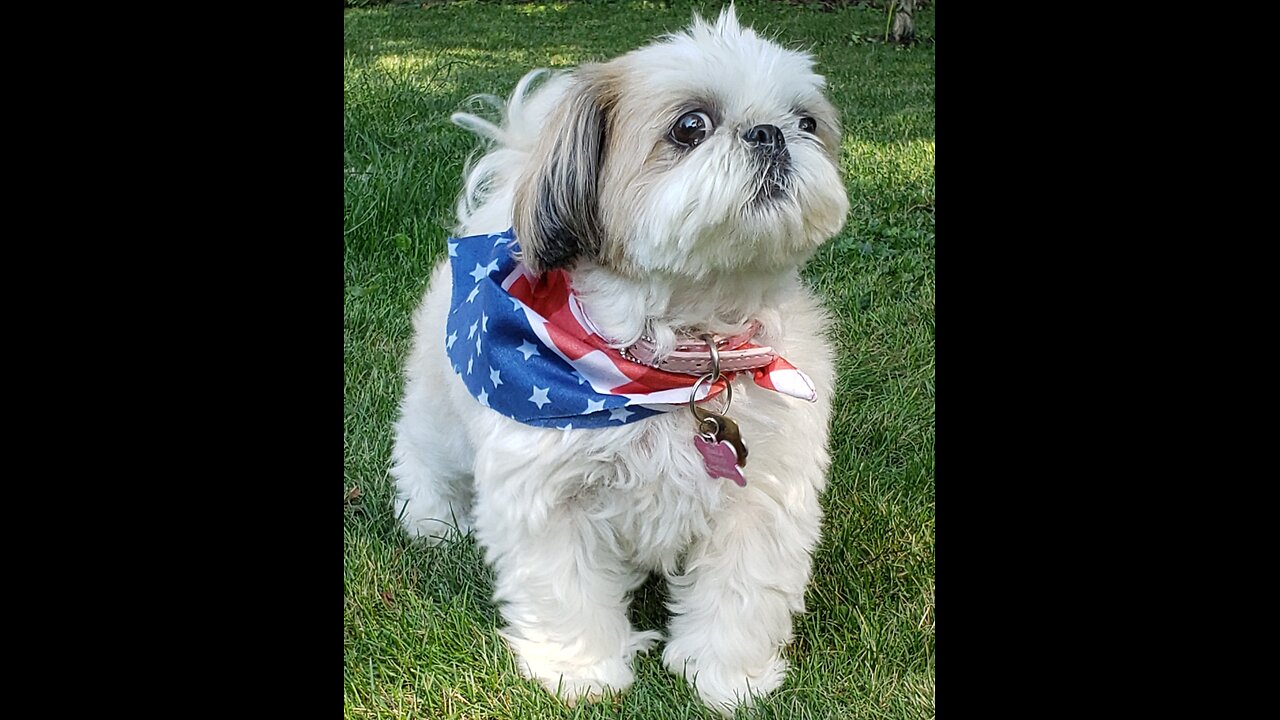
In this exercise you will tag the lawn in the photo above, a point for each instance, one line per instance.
(419, 628)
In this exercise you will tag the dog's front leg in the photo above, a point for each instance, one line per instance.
(733, 604)
(562, 586)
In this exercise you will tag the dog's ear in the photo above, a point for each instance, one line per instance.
(556, 210)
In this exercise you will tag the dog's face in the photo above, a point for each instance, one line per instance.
(710, 150)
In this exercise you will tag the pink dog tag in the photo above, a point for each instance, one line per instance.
(720, 459)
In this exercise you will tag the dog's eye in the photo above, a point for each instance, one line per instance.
(808, 124)
(692, 128)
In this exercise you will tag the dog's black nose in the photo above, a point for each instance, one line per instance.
(765, 137)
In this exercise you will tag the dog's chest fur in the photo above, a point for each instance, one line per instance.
(643, 486)
(657, 473)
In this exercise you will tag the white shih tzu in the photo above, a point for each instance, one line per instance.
(620, 321)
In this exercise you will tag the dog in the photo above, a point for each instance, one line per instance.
(636, 229)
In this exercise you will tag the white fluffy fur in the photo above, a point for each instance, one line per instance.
(573, 521)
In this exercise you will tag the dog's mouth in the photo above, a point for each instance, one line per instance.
(773, 183)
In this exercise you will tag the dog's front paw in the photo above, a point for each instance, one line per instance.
(575, 679)
(586, 682)
(721, 686)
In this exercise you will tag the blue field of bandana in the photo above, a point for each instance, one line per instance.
(504, 363)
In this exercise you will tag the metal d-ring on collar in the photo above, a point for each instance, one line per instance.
(711, 377)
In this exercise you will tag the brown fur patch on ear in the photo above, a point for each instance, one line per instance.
(557, 204)
(828, 131)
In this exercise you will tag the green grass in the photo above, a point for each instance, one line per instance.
(419, 628)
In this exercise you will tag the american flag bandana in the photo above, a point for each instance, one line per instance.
(523, 346)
